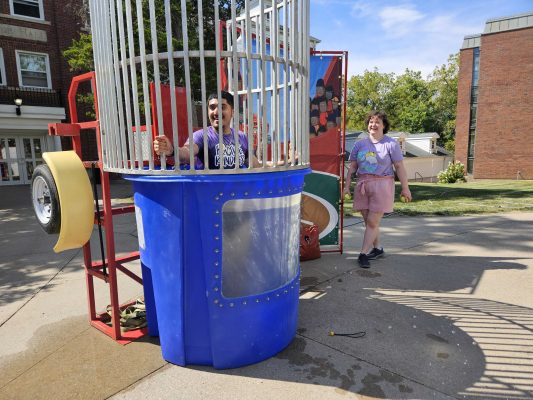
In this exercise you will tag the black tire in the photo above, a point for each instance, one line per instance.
(45, 199)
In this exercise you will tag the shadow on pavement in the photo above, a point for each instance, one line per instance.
(434, 327)
(417, 332)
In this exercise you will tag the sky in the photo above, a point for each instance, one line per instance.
(395, 35)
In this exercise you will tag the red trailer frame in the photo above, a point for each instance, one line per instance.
(106, 268)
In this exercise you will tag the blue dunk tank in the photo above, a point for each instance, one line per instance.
(219, 246)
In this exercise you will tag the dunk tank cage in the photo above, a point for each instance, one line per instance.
(219, 247)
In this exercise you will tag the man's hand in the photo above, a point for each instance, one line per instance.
(296, 154)
(162, 145)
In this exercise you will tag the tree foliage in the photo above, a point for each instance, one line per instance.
(365, 93)
(412, 103)
(443, 84)
(80, 56)
(409, 102)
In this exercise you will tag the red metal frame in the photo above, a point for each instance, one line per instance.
(112, 263)
(105, 270)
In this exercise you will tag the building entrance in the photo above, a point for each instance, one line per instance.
(19, 155)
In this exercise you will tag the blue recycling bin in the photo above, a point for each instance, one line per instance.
(220, 264)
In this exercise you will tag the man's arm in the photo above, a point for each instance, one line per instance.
(258, 164)
(162, 145)
(184, 152)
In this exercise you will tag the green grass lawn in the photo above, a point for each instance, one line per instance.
(477, 197)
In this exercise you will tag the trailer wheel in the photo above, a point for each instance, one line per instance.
(45, 199)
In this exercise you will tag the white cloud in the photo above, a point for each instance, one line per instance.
(338, 23)
(440, 23)
(396, 64)
(332, 2)
(399, 20)
(398, 34)
(362, 8)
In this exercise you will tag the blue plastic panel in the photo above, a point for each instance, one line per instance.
(183, 253)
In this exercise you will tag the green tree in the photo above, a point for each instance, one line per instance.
(413, 104)
(409, 103)
(365, 93)
(79, 55)
(443, 85)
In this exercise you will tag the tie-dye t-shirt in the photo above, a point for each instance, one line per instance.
(376, 158)
(213, 151)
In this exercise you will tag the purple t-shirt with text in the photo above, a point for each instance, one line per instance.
(376, 158)
(213, 150)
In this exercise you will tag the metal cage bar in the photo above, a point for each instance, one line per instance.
(116, 62)
(134, 87)
(144, 77)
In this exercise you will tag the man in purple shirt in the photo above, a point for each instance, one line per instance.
(229, 152)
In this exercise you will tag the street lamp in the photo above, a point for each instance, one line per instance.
(18, 103)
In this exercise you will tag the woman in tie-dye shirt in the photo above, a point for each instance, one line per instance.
(375, 159)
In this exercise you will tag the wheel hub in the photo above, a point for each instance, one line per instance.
(41, 200)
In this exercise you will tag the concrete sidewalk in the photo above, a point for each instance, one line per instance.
(448, 314)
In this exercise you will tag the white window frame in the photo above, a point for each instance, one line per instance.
(2, 69)
(19, 72)
(433, 145)
(402, 141)
(41, 11)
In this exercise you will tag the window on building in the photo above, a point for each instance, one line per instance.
(33, 69)
(470, 164)
(471, 147)
(27, 8)
(473, 94)
(2, 69)
(473, 111)
(475, 68)
(473, 114)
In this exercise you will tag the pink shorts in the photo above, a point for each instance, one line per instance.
(374, 193)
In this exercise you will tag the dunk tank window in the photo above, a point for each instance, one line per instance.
(259, 247)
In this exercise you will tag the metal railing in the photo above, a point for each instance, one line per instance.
(31, 96)
(261, 56)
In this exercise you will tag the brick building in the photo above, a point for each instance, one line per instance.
(33, 33)
(494, 125)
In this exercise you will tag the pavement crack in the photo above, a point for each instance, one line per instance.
(138, 380)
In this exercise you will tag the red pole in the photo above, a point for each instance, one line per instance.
(343, 145)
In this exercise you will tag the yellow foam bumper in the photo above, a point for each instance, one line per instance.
(75, 199)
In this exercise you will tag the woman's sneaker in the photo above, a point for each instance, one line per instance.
(375, 253)
(363, 261)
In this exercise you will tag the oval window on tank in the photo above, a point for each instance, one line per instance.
(258, 253)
